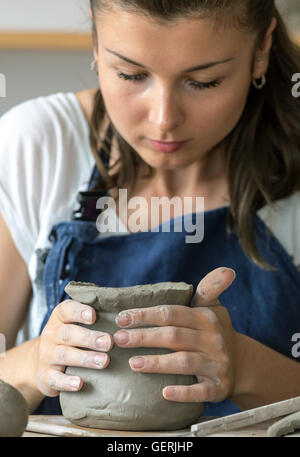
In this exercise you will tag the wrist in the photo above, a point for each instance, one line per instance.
(28, 383)
(19, 368)
(242, 373)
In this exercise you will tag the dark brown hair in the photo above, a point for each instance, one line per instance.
(263, 150)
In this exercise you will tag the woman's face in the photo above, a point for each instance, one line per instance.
(160, 97)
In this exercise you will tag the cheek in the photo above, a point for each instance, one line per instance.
(221, 114)
(119, 102)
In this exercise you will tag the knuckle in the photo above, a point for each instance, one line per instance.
(138, 337)
(66, 303)
(59, 308)
(51, 385)
(225, 362)
(153, 363)
(46, 332)
(166, 312)
(225, 369)
(43, 385)
(226, 386)
(138, 315)
(43, 349)
(173, 335)
(216, 341)
(63, 307)
(205, 391)
(191, 395)
(88, 338)
(86, 359)
(184, 360)
(208, 314)
(65, 334)
(60, 354)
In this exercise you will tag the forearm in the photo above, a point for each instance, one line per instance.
(263, 376)
(18, 368)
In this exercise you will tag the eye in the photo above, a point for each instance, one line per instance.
(133, 78)
(194, 84)
(198, 85)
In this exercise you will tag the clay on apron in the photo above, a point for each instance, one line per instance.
(117, 397)
(13, 411)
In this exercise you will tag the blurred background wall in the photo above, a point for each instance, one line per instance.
(45, 47)
(43, 69)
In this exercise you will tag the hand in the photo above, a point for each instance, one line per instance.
(201, 337)
(59, 344)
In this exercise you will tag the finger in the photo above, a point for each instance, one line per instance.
(174, 363)
(75, 335)
(70, 311)
(51, 382)
(202, 392)
(173, 338)
(212, 285)
(162, 315)
(69, 356)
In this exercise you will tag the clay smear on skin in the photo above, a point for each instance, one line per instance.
(136, 322)
(162, 311)
(211, 370)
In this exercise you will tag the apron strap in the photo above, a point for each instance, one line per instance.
(87, 199)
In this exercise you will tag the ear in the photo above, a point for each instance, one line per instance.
(262, 55)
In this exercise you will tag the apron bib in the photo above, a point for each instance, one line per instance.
(263, 305)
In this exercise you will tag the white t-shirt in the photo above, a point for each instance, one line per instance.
(45, 160)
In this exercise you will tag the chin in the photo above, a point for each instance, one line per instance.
(167, 161)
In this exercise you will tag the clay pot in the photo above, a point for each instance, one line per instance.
(13, 411)
(117, 397)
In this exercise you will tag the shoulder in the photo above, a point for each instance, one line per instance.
(86, 101)
(283, 219)
(40, 111)
(39, 139)
(51, 124)
(286, 207)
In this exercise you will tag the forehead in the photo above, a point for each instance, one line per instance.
(144, 38)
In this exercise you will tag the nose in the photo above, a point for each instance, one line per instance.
(165, 112)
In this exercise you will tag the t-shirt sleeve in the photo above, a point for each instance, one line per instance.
(20, 186)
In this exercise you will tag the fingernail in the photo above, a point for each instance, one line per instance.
(170, 392)
(124, 319)
(121, 337)
(74, 382)
(103, 342)
(87, 315)
(137, 362)
(100, 359)
(234, 273)
(226, 269)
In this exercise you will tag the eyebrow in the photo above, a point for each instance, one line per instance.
(188, 70)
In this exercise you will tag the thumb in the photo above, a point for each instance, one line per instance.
(212, 285)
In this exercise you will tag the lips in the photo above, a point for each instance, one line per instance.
(166, 147)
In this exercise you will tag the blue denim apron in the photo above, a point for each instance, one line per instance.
(263, 305)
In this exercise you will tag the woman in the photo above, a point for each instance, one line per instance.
(194, 100)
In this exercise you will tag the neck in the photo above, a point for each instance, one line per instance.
(204, 176)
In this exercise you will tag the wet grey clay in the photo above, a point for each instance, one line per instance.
(117, 397)
(13, 411)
